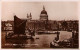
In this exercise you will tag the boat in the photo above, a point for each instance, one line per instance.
(19, 30)
(60, 44)
(48, 32)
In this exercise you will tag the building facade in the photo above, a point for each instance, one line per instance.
(43, 23)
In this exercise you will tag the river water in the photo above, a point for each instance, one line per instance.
(39, 41)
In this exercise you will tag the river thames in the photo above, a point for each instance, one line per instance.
(39, 41)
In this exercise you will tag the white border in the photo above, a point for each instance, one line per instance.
(0, 25)
(39, 1)
(79, 21)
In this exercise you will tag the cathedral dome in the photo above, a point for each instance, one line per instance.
(43, 12)
(43, 15)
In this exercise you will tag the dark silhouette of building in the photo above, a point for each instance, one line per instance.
(44, 24)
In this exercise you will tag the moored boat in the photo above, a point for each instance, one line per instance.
(19, 30)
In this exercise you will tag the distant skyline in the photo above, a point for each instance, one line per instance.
(55, 10)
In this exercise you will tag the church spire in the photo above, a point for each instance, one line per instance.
(43, 7)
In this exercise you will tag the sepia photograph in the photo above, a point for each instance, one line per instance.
(40, 25)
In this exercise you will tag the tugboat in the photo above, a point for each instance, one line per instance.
(55, 42)
(60, 44)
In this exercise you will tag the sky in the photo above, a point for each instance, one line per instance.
(55, 10)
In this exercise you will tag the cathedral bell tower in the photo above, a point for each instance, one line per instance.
(29, 17)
